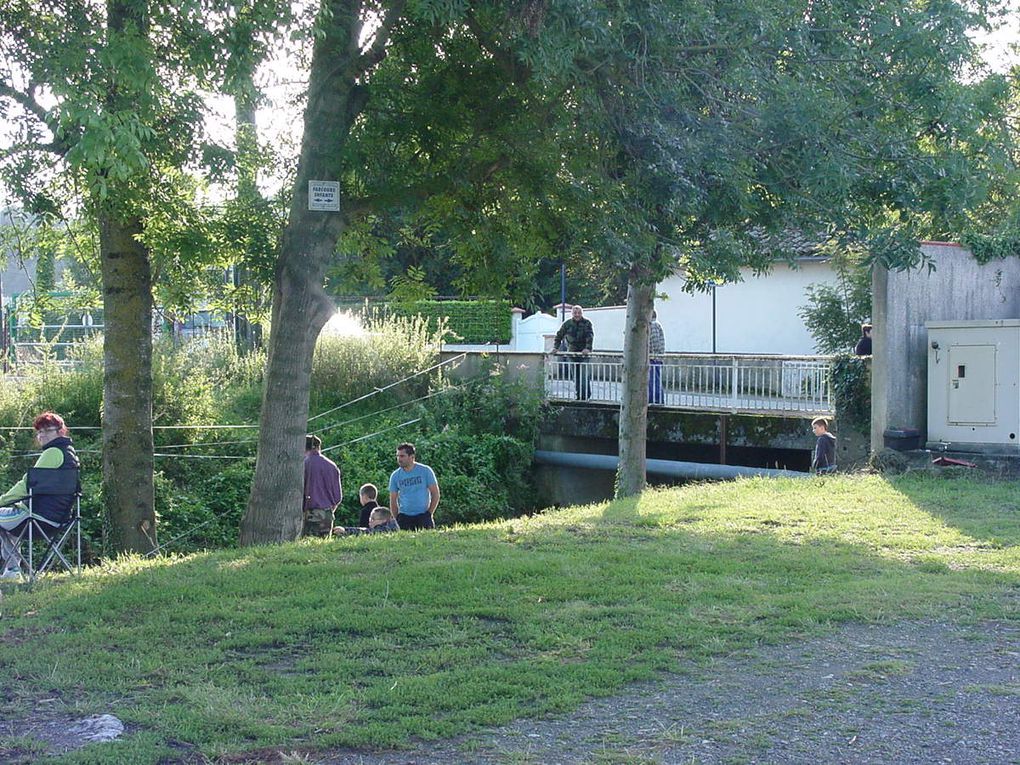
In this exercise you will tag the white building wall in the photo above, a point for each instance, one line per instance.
(757, 315)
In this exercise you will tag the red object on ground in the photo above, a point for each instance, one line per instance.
(943, 461)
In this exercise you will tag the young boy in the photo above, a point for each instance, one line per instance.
(368, 496)
(825, 447)
(380, 521)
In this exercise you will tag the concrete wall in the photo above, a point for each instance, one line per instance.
(958, 288)
(756, 315)
(515, 366)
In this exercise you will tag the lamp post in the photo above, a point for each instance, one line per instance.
(714, 284)
(563, 292)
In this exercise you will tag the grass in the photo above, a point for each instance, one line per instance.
(373, 641)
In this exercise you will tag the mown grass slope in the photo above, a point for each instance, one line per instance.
(373, 641)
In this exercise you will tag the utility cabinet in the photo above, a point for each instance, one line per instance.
(974, 385)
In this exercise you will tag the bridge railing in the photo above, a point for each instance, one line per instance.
(707, 382)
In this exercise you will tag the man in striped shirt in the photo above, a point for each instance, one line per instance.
(656, 350)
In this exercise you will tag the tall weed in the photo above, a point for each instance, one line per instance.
(346, 367)
(478, 435)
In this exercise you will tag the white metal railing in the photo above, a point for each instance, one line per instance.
(709, 382)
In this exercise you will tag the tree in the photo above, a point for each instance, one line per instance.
(658, 139)
(428, 120)
(834, 312)
(723, 130)
(123, 78)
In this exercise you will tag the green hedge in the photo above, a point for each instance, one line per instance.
(851, 388)
(471, 321)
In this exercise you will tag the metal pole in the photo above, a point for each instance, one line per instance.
(713, 317)
(563, 291)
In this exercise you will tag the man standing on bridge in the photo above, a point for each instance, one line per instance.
(656, 350)
(579, 334)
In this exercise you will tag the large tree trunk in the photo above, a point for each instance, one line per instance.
(630, 477)
(127, 342)
(300, 309)
(300, 306)
(127, 386)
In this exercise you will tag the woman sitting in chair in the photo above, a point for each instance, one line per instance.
(58, 453)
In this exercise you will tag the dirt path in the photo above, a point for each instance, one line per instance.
(932, 692)
(907, 693)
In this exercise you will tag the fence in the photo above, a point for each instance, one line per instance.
(51, 342)
(707, 382)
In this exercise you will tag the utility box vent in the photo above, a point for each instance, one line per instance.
(974, 385)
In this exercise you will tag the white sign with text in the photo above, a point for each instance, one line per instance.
(324, 195)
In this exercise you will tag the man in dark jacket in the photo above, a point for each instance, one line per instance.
(579, 335)
(863, 347)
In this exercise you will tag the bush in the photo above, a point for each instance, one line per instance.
(489, 405)
(834, 313)
(851, 389)
(478, 436)
(888, 461)
(348, 366)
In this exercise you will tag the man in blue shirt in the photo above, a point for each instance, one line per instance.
(414, 492)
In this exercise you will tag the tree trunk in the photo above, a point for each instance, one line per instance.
(630, 478)
(127, 386)
(300, 309)
(128, 490)
(300, 306)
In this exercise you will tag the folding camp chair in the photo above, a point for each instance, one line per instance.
(50, 536)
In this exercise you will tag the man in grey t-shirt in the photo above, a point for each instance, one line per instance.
(414, 491)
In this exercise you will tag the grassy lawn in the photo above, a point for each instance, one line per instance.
(372, 641)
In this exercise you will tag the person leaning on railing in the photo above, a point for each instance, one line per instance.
(656, 350)
(58, 454)
(579, 335)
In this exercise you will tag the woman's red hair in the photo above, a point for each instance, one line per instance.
(49, 421)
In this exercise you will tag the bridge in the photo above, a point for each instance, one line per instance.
(779, 386)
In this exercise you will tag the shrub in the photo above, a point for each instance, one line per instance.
(888, 461)
(490, 404)
(851, 388)
(478, 436)
(834, 313)
(348, 366)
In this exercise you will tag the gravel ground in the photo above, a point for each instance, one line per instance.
(906, 693)
(931, 692)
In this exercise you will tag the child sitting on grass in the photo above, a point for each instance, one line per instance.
(380, 521)
(825, 447)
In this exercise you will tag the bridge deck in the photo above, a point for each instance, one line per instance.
(783, 386)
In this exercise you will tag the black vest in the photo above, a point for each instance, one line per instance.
(57, 509)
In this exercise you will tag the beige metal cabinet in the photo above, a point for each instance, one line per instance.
(974, 385)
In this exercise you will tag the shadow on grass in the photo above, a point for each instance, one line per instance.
(373, 641)
(986, 510)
